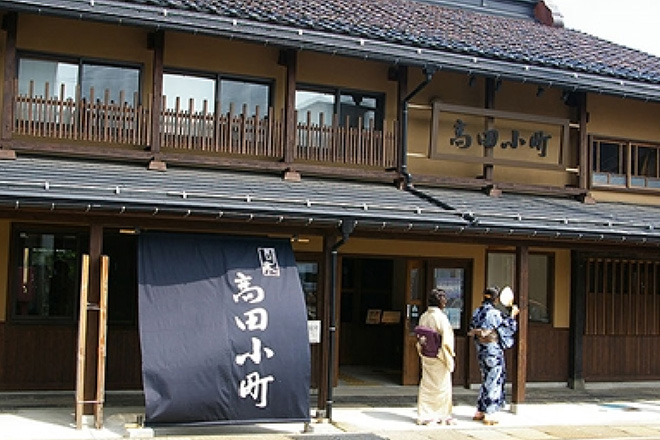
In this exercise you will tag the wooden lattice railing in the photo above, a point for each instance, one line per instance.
(257, 134)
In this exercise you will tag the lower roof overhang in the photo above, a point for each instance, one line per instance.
(66, 187)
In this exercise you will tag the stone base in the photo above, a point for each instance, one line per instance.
(139, 433)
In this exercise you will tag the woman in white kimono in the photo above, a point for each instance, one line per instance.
(434, 401)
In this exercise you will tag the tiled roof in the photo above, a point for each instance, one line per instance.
(64, 185)
(436, 27)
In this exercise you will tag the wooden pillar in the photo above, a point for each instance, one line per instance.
(324, 314)
(577, 321)
(583, 160)
(94, 297)
(402, 92)
(157, 44)
(520, 351)
(289, 59)
(489, 103)
(9, 24)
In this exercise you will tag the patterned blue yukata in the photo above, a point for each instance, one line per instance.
(492, 395)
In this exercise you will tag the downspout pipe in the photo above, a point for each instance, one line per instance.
(407, 178)
(347, 228)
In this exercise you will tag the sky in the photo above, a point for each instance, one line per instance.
(632, 23)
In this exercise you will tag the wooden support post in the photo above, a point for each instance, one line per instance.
(101, 311)
(583, 165)
(324, 313)
(103, 331)
(520, 351)
(9, 24)
(82, 342)
(290, 61)
(489, 103)
(577, 321)
(157, 44)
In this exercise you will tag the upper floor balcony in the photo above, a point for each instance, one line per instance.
(112, 118)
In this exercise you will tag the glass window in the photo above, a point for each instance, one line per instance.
(42, 72)
(114, 79)
(46, 274)
(187, 87)
(231, 91)
(311, 105)
(240, 93)
(609, 158)
(309, 279)
(501, 271)
(55, 73)
(349, 106)
(452, 281)
(355, 106)
(646, 161)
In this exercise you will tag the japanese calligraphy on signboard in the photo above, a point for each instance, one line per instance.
(468, 134)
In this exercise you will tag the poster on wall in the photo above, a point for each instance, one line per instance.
(223, 330)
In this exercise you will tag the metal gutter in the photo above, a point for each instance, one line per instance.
(332, 43)
(407, 178)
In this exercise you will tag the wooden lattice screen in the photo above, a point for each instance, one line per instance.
(623, 297)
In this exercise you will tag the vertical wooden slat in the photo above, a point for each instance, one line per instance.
(105, 116)
(82, 342)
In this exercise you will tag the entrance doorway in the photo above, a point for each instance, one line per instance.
(381, 301)
(370, 315)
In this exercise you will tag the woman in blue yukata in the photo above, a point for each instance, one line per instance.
(493, 332)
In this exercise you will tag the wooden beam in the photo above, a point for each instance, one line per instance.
(520, 351)
(9, 24)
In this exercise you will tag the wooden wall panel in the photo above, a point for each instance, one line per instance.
(547, 356)
(616, 358)
(39, 357)
(124, 359)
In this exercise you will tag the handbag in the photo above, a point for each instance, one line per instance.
(429, 340)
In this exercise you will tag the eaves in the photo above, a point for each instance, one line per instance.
(159, 18)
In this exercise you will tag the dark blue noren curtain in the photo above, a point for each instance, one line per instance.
(223, 330)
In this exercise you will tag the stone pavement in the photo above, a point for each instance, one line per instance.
(606, 411)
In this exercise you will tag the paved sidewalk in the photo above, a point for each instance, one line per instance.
(370, 413)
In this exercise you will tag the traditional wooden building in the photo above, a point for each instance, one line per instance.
(399, 144)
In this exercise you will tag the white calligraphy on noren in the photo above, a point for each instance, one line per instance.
(252, 320)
